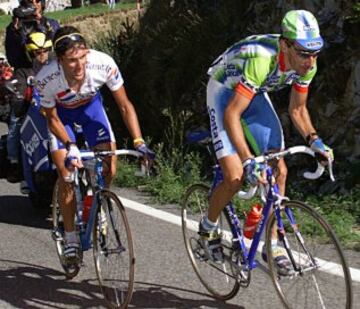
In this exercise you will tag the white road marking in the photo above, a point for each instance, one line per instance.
(174, 219)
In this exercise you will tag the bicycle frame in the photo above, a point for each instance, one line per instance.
(85, 235)
(238, 239)
(97, 169)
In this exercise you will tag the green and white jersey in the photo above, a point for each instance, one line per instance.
(255, 65)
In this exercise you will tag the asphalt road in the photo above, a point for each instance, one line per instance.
(31, 277)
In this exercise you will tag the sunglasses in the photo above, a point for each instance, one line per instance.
(305, 54)
(66, 41)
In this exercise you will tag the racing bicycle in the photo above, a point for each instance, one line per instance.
(320, 277)
(107, 229)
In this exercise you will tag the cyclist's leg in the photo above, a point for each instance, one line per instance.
(218, 97)
(217, 100)
(232, 174)
(109, 163)
(99, 134)
(264, 133)
(281, 176)
(66, 196)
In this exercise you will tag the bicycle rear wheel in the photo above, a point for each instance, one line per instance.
(58, 234)
(218, 279)
(322, 279)
(113, 250)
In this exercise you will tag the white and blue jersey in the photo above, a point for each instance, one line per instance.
(84, 107)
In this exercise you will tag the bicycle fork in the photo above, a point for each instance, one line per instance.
(282, 237)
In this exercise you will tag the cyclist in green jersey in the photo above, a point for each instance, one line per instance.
(237, 89)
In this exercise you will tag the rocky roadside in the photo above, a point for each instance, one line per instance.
(94, 26)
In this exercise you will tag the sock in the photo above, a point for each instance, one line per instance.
(71, 237)
(207, 224)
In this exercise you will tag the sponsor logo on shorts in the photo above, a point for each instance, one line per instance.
(101, 132)
(213, 126)
(103, 138)
(218, 146)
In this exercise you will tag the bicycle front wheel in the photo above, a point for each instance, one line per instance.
(321, 277)
(218, 279)
(113, 250)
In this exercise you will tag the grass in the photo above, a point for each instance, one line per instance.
(70, 14)
(172, 174)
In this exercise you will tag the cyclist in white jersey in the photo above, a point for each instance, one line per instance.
(237, 89)
(69, 93)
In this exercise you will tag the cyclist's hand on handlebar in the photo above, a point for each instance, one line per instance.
(146, 152)
(73, 158)
(319, 147)
(254, 172)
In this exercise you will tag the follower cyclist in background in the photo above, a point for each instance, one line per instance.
(19, 28)
(27, 18)
(69, 93)
(239, 81)
(38, 48)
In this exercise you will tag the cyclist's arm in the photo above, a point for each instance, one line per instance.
(127, 111)
(55, 125)
(300, 114)
(237, 105)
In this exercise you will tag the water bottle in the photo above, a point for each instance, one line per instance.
(252, 220)
(87, 202)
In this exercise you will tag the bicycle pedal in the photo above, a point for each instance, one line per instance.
(200, 257)
(56, 235)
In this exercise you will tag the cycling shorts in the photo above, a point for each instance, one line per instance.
(261, 125)
(93, 120)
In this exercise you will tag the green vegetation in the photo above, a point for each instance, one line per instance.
(354, 16)
(90, 10)
(172, 173)
(341, 210)
(171, 180)
(71, 14)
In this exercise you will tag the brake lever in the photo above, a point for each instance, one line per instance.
(320, 158)
(330, 169)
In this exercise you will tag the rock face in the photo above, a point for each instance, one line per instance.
(96, 27)
(93, 27)
(57, 5)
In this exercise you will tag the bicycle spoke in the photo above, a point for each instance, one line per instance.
(113, 251)
(218, 279)
(322, 278)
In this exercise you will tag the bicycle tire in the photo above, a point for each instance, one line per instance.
(113, 250)
(217, 279)
(71, 271)
(327, 285)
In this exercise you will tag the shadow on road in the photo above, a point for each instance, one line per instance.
(24, 285)
(30, 286)
(150, 295)
(17, 210)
